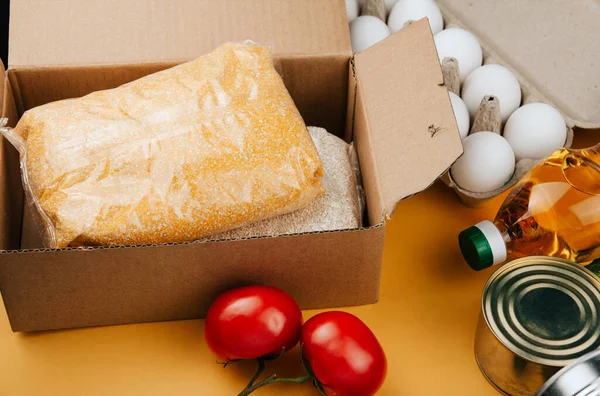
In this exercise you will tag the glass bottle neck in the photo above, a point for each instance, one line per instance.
(504, 232)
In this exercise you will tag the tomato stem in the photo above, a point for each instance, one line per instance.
(259, 371)
(319, 387)
(274, 356)
(252, 386)
(273, 378)
(227, 363)
(316, 383)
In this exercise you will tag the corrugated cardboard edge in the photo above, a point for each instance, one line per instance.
(109, 247)
(530, 92)
(389, 84)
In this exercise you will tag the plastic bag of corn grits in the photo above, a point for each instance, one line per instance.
(187, 152)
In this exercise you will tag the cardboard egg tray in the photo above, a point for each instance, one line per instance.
(552, 48)
(549, 46)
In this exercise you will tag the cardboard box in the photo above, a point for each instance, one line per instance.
(553, 50)
(386, 99)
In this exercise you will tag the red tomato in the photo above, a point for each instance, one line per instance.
(251, 322)
(344, 354)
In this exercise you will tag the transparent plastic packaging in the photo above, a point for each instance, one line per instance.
(339, 208)
(198, 149)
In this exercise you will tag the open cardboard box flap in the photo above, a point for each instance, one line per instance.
(72, 32)
(411, 128)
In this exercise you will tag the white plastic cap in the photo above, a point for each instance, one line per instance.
(494, 238)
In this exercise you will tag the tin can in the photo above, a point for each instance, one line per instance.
(539, 314)
(581, 378)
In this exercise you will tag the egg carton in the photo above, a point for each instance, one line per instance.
(530, 94)
(493, 124)
(539, 30)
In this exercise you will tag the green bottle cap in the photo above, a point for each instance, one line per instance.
(475, 248)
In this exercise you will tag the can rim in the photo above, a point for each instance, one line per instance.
(553, 381)
(524, 262)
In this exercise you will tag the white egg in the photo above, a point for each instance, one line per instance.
(389, 4)
(535, 131)
(413, 10)
(461, 45)
(367, 30)
(488, 162)
(352, 9)
(461, 113)
(493, 80)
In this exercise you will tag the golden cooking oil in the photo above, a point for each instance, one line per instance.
(553, 211)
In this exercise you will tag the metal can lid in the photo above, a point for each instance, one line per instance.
(544, 309)
(580, 378)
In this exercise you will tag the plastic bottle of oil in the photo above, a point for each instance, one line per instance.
(553, 211)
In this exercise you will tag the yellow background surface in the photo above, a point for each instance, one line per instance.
(425, 320)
